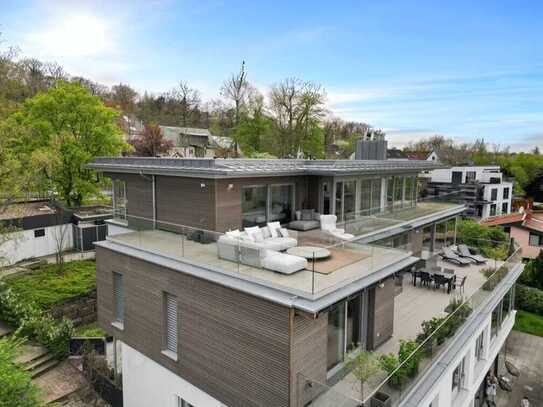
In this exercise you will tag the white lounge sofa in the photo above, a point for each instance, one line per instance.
(266, 253)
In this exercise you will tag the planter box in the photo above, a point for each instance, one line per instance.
(381, 400)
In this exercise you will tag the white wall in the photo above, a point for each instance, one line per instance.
(441, 394)
(146, 383)
(487, 193)
(482, 174)
(23, 245)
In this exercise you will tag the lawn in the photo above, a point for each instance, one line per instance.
(529, 323)
(46, 286)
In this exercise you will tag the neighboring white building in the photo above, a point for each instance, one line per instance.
(40, 231)
(482, 187)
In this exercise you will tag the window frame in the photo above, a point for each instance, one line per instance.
(118, 300)
(170, 349)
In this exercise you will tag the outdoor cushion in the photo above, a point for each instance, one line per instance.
(284, 263)
(252, 232)
(304, 224)
(307, 214)
(283, 232)
(273, 227)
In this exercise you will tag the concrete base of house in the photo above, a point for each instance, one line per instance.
(146, 383)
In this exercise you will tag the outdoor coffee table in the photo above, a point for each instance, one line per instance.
(309, 252)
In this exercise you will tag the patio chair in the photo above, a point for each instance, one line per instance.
(448, 255)
(464, 251)
(328, 224)
(425, 278)
(461, 285)
(440, 281)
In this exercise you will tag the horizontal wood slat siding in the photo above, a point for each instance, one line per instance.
(139, 195)
(381, 313)
(234, 346)
(308, 350)
(183, 201)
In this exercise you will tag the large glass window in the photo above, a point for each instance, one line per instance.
(365, 196)
(282, 197)
(427, 238)
(507, 304)
(353, 323)
(262, 203)
(349, 199)
(493, 210)
(376, 195)
(336, 334)
(344, 329)
(480, 346)
(458, 377)
(440, 236)
(398, 191)
(326, 198)
(254, 205)
(410, 187)
(506, 193)
(495, 321)
(390, 193)
(493, 194)
(119, 199)
(339, 201)
(345, 200)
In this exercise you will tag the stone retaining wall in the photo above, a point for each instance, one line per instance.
(81, 310)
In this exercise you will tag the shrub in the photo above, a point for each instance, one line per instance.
(16, 387)
(529, 299)
(389, 363)
(533, 272)
(34, 323)
(491, 242)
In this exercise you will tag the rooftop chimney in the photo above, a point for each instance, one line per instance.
(371, 146)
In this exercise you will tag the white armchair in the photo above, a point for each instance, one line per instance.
(328, 224)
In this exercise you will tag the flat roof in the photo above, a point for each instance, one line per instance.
(236, 168)
(26, 209)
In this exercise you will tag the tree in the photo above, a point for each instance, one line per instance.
(152, 142)
(297, 107)
(186, 100)
(235, 89)
(16, 387)
(68, 129)
(363, 365)
(533, 272)
(124, 97)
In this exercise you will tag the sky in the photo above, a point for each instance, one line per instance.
(463, 69)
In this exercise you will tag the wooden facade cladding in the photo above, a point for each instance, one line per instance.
(380, 313)
(308, 351)
(234, 346)
(185, 201)
(139, 196)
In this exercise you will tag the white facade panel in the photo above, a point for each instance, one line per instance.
(24, 245)
(146, 383)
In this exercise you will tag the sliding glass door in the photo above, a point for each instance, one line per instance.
(267, 203)
(345, 329)
(370, 196)
(345, 200)
(254, 205)
(282, 201)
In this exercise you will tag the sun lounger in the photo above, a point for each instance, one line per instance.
(463, 251)
(448, 255)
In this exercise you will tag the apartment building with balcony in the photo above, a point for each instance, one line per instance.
(483, 188)
(249, 282)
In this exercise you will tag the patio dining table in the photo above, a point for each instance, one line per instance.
(447, 274)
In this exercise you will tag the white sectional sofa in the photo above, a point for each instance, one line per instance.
(267, 253)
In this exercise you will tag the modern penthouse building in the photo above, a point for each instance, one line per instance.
(226, 289)
(482, 188)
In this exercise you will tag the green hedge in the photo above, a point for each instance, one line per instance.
(529, 299)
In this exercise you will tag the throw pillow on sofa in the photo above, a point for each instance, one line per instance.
(283, 232)
(255, 234)
(273, 227)
(308, 214)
